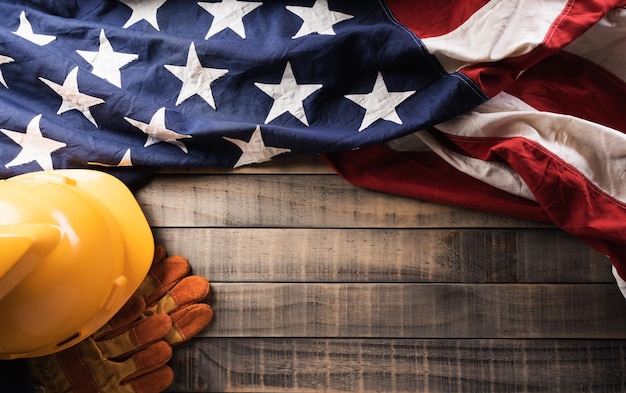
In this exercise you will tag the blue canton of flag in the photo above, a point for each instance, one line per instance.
(152, 83)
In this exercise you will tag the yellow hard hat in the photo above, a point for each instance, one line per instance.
(74, 246)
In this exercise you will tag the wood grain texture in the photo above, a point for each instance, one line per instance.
(320, 286)
(387, 255)
(311, 201)
(417, 310)
(385, 365)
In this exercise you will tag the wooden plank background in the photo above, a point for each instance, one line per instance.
(318, 285)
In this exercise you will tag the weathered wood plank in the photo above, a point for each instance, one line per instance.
(311, 201)
(382, 365)
(342, 290)
(417, 310)
(387, 255)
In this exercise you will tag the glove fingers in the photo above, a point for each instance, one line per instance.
(190, 289)
(162, 277)
(154, 382)
(188, 321)
(146, 361)
(123, 319)
(143, 333)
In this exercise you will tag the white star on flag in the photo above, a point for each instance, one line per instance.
(288, 96)
(380, 103)
(158, 132)
(317, 19)
(25, 30)
(72, 97)
(255, 151)
(106, 62)
(35, 147)
(143, 10)
(4, 60)
(196, 79)
(229, 14)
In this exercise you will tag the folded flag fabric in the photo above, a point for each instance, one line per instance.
(507, 106)
(548, 145)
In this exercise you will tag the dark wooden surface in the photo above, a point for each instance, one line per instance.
(321, 286)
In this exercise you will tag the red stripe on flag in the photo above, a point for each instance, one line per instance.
(430, 18)
(585, 90)
(569, 199)
(427, 176)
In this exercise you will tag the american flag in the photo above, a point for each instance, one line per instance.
(513, 107)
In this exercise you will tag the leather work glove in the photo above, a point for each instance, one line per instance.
(168, 289)
(129, 354)
(126, 355)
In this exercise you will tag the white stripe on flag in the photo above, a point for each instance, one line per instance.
(495, 174)
(604, 43)
(598, 152)
(499, 30)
